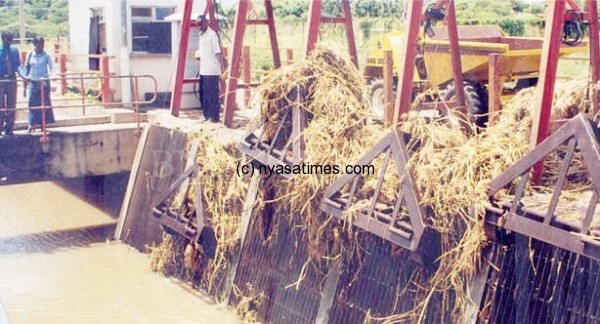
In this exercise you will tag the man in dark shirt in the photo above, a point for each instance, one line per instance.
(10, 66)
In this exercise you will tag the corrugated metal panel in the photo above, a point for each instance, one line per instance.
(271, 267)
(381, 284)
(534, 282)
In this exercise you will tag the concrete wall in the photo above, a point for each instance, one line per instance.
(68, 154)
(86, 153)
(79, 35)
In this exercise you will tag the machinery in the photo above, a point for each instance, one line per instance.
(519, 64)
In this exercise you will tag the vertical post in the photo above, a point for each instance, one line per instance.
(289, 56)
(476, 287)
(82, 85)
(234, 69)
(63, 73)
(183, 46)
(388, 88)
(222, 83)
(272, 33)
(455, 57)
(494, 88)
(105, 73)
(594, 30)
(314, 20)
(22, 21)
(408, 56)
(210, 9)
(246, 74)
(44, 138)
(548, 65)
(136, 105)
(56, 51)
(347, 15)
(332, 279)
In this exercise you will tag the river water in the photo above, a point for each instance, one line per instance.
(56, 265)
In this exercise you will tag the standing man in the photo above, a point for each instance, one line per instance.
(38, 67)
(10, 66)
(212, 64)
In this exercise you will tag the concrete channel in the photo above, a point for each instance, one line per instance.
(59, 262)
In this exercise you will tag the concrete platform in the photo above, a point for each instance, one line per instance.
(71, 151)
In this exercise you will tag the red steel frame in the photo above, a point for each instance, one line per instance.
(409, 54)
(186, 23)
(241, 22)
(315, 19)
(555, 18)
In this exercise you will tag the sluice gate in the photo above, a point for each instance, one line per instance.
(523, 278)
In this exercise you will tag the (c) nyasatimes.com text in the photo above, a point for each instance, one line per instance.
(304, 168)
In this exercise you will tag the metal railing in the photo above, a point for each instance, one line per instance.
(83, 99)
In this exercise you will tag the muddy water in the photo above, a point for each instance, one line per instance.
(44, 207)
(104, 282)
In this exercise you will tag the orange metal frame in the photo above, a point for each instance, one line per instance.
(409, 54)
(136, 103)
(241, 22)
(315, 19)
(186, 24)
(555, 18)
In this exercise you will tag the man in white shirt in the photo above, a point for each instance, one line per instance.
(212, 64)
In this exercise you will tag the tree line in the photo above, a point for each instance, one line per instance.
(48, 18)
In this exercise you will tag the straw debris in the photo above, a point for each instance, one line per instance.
(452, 173)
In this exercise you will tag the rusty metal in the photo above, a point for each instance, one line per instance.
(286, 146)
(186, 23)
(241, 22)
(578, 134)
(315, 19)
(174, 219)
(409, 55)
(84, 98)
(547, 78)
(386, 222)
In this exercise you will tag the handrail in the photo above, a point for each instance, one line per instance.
(136, 103)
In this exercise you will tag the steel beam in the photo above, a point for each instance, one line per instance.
(241, 21)
(315, 19)
(578, 133)
(405, 233)
(407, 61)
(594, 30)
(455, 57)
(547, 80)
(347, 16)
(239, 30)
(272, 34)
(181, 58)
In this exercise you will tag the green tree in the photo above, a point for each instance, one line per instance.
(48, 18)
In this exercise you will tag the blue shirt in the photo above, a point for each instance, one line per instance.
(14, 59)
(38, 66)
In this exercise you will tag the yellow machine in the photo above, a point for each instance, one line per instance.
(519, 63)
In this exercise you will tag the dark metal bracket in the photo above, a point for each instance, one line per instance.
(385, 223)
(172, 217)
(286, 146)
(578, 133)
